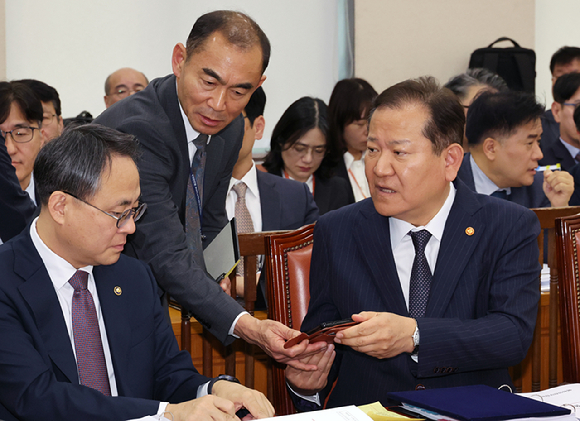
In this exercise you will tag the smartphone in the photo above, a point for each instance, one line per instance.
(324, 332)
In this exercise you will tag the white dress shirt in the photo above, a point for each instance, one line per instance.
(252, 198)
(357, 176)
(191, 134)
(483, 185)
(60, 271)
(572, 149)
(404, 253)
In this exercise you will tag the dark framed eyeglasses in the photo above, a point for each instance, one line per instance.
(20, 134)
(122, 219)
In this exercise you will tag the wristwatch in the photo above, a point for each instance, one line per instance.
(416, 339)
(218, 378)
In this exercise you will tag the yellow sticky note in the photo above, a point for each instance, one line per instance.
(379, 413)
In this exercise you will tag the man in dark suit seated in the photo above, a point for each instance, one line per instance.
(261, 201)
(443, 281)
(563, 61)
(190, 130)
(566, 149)
(84, 336)
(503, 130)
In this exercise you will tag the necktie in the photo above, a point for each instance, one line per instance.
(244, 222)
(420, 275)
(87, 336)
(194, 200)
(501, 194)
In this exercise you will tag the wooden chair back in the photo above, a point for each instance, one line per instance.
(568, 243)
(534, 361)
(288, 273)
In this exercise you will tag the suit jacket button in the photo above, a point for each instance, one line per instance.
(419, 387)
(436, 370)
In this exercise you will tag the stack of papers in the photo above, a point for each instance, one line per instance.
(565, 396)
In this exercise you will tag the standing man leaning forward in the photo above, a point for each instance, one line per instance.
(444, 281)
(83, 332)
(213, 78)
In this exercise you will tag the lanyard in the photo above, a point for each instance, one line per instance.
(357, 184)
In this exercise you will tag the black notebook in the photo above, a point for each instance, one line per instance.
(477, 403)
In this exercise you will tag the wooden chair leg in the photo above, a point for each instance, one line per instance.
(207, 355)
(230, 360)
(537, 356)
(186, 331)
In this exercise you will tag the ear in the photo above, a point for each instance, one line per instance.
(262, 79)
(57, 206)
(178, 59)
(60, 125)
(453, 160)
(556, 110)
(489, 148)
(259, 125)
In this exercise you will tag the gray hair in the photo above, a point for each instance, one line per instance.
(478, 76)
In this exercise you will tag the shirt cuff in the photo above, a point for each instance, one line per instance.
(231, 331)
(312, 398)
(162, 407)
(202, 390)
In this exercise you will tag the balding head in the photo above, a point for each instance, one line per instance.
(122, 83)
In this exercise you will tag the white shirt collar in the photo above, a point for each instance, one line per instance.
(436, 226)
(59, 270)
(349, 159)
(572, 149)
(483, 184)
(30, 188)
(251, 180)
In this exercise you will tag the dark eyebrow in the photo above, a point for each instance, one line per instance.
(217, 77)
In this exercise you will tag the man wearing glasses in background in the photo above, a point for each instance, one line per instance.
(84, 335)
(20, 127)
(566, 149)
(122, 83)
(52, 122)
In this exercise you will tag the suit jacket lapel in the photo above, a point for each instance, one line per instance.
(114, 315)
(270, 203)
(461, 235)
(380, 259)
(38, 291)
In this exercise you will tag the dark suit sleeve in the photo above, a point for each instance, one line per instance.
(503, 335)
(160, 237)
(29, 388)
(16, 208)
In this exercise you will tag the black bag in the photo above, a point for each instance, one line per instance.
(516, 65)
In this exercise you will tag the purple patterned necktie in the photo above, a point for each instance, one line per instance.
(420, 275)
(87, 336)
(194, 200)
(244, 222)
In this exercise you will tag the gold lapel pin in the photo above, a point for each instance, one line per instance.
(469, 231)
(118, 290)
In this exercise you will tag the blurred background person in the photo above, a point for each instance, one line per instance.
(467, 85)
(52, 122)
(122, 83)
(299, 150)
(348, 112)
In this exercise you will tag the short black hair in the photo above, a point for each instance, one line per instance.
(565, 87)
(44, 92)
(22, 95)
(351, 100)
(500, 114)
(75, 161)
(447, 118)
(301, 116)
(564, 56)
(476, 76)
(256, 105)
(238, 28)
